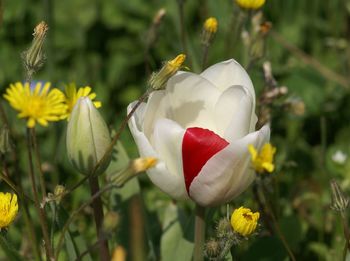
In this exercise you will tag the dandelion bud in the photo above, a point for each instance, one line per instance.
(209, 29)
(250, 4)
(159, 16)
(212, 248)
(5, 142)
(340, 201)
(223, 228)
(34, 57)
(133, 169)
(158, 80)
(88, 138)
(244, 221)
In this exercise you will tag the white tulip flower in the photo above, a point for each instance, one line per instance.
(199, 128)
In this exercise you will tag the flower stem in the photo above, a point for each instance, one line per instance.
(346, 229)
(199, 233)
(41, 213)
(76, 212)
(181, 4)
(98, 215)
(38, 163)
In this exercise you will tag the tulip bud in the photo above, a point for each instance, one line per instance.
(340, 201)
(88, 138)
(34, 57)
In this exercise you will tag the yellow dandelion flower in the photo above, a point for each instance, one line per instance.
(263, 161)
(37, 104)
(8, 209)
(244, 221)
(72, 96)
(211, 25)
(250, 4)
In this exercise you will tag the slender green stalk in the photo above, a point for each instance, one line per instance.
(181, 4)
(38, 162)
(346, 229)
(276, 226)
(98, 216)
(205, 56)
(199, 234)
(75, 214)
(41, 213)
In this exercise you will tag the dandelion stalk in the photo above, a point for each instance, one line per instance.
(181, 4)
(75, 214)
(98, 216)
(41, 213)
(199, 234)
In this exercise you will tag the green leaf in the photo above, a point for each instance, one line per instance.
(9, 250)
(175, 244)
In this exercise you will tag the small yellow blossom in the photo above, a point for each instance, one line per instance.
(211, 25)
(8, 209)
(250, 4)
(244, 221)
(263, 161)
(72, 96)
(158, 80)
(37, 104)
(143, 164)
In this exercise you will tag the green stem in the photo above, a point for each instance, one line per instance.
(38, 163)
(181, 4)
(346, 229)
(75, 214)
(199, 234)
(98, 216)
(41, 213)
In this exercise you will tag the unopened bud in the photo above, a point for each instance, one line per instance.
(5, 142)
(88, 138)
(34, 57)
(159, 16)
(212, 248)
(135, 167)
(159, 80)
(223, 228)
(340, 201)
(209, 30)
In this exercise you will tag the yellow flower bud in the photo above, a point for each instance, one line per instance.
(244, 221)
(250, 4)
(8, 209)
(158, 80)
(211, 25)
(87, 138)
(263, 161)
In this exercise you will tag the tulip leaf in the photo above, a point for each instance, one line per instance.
(175, 244)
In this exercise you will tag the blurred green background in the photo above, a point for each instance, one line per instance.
(104, 44)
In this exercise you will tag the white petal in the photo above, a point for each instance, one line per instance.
(192, 100)
(233, 113)
(160, 175)
(227, 173)
(168, 136)
(228, 73)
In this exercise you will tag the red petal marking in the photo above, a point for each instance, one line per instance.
(198, 146)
